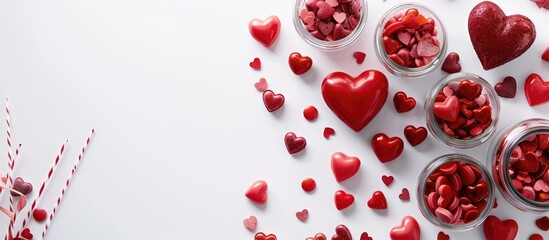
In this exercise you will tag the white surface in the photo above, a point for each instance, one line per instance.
(181, 132)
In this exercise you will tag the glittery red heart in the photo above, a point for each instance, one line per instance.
(415, 135)
(355, 100)
(299, 64)
(343, 166)
(387, 180)
(266, 31)
(469, 89)
(364, 236)
(403, 103)
(26, 233)
(256, 64)
(328, 131)
(342, 233)
(262, 236)
(387, 149)
(359, 56)
(543, 223)
(483, 114)
(377, 201)
(407, 230)
(507, 88)
(343, 199)
(498, 39)
(21, 186)
(495, 229)
(404, 195)
(451, 63)
(294, 143)
(442, 236)
(257, 192)
(536, 90)
(272, 101)
(529, 163)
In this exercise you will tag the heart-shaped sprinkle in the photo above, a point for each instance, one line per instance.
(480, 100)
(21, 186)
(302, 215)
(340, 32)
(495, 229)
(342, 233)
(448, 91)
(543, 223)
(318, 236)
(483, 114)
(272, 101)
(343, 199)
(257, 192)
(263, 236)
(250, 223)
(414, 135)
(256, 64)
(328, 131)
(451, 63)
(266, 32)
(305, 13)
(39, 214)
(261, 85)
(326, 28)
(442, 236)
(403, 103)
(294, 143)
(535, 236)
(339, 17)
(507, 88)
(299, 64)
(387, 149)
(26, 233)
(407, 230)
(310, 113)
(359, 56)
(377, 201)
(387, 180)
(364, 236)
(404, 195)
(545, 55)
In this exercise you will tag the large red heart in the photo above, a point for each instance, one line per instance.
(294, 143)
(408, 230)
(266, 31)
(536, 90)
(343, 166)
(258, 192)
(497, 38)
(495, 229)
(299, 64)
(355, 100)
(262, 236)
(343, 199)
(342, 233)
(415, 135)
(387, 149)
(377, 201)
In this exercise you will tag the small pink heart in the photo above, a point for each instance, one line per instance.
(541, 185)
(302, 216)
(339, 16)
(21, 186)
(328, 131)
(250, 223)
(261, 85)
(387, 180)
(332, 3)
(305, 13)
(405, 195)
(326, 27)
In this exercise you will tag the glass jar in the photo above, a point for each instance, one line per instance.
(500, 160)
(397, 69)
(435, 127)
(324, 44)
(483, 204)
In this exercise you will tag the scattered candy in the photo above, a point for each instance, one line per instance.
(256, 64)
(414, 135)
(387, 149)
(442, 236)
(21, 186)
(407, 230)
(342, 233)
(39, 214)
(318, 236)
(451, 63)
(257, 192)
(543, 223)
(299, 64)
(343, 166)
(302, 215)
(404, 195)
(310, 113)
(265, 32)
(377, 201)
(360, 56)
(364, 236)
(507, 88)
(261, 85)
(343, 199)
(272, 101)
(545, 55)
(387, 180)
(328, 131)
(495, 229)
(308, 184)
(403, 103)
(250, 223)
(535, 236)
(331, 20)
(294, 143)
(536, 90)
(262, 236)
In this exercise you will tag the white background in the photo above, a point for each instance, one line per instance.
(181, 132)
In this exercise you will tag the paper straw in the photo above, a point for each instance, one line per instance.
(9, 179)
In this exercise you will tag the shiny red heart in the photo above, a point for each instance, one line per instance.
(442, 236)
(543, 223)
(447, 110)
(299, 64)
(294, 143)
(258, 192)
(495, 229)
(408, 230)
(536, 90)
(507, 88)
(469, 89)
(26, 233)
(415, 135)
(355, 100)
(403, 103)
(529, 163)
(343, 199)
(342, 233)
(477, 192)
(21, 186)
(387, 180)
(364, 236)
(262, 236)
(451, 63)
(483, 114)
(377, 201)
(387, 149)
(404, 195)
(266, 31)
(272, 101)
(496, 38)
(256, 64)
(328, 131)
(343, 166)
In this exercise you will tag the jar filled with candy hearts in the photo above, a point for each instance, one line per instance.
(330, 24)
(455, 192)
(462, 110)
(519, 164)
(410, 40)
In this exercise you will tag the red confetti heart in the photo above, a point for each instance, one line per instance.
(342, 233)
(442, 236)
(507, 88)
(302, 216)
(256, 64)
(26, 233)
(262, 236)
(415, 135)
(404, 195)
(377, 201)
(408, 230)
(387, 149)
(535, 236)
(272, 101)
(536, 90)
(261, 85)
(364, 236)
(258, 192)
(250, 223)
(328, 131)
(545, 55)
(265, 32)
(543, 223)
(403, 103)
(359, 56)
(343, 199)
(451, 63)
(39, 214)
(21, 186)
(343, 166)
(387, 180)
(299, 64)
(293, 143)
(495, 229)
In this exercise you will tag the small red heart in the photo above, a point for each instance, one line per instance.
(415, 135)
(318, 236)
(451, 63)
(250, 223)
(364, 236)
(447, 110)
(328, 131)
(21, 186)
(39, 214)
(265, 32)
(272, 101)
(469, 89)
(442, 236)
(302, 215)
(258, 192)
(545, 55)
(256, 64)
(403, 103)
(343, 199)
(495, 229)
(342, 233)
(408, 230)
(377, 201)
(536, 90)
(343, 166)
(26, 233)
(477, 192)
(543, 223)
(404, 195)
(359, 56)
(293, 143)
(387, 180)
(483, 114)
(507, 88)
(262, 236)
(261, 85)
(529, 163)
(535, 236)
(299, 64)
(387, 149)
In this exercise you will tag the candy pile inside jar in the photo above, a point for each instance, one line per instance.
(462, 109)
(528, 167)
(456, 192)
(331, 20)
(410, 39)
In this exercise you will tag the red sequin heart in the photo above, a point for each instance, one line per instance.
(262, 236)
(477, 192)
(266, 31)
(258, 192)
(387, 149)
(343, 166)
(408, 230)
(377, 201)
(387, 180)
(495, 229)
(343, 199)
(364, 236)
(543, 223)
(359, 56)
(342, 233)
(294, 143)
(536, 90)
(507, 88)
(403, 103)
(415, 135)
(299, 64)
(442, 236)
(255, 64)
(451, 63)
(328, 131)
(404, 195)
(272, 101)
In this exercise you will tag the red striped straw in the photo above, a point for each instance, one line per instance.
(9, 179)
(8, 176)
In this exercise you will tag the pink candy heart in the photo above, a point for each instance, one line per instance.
(302, 216)
(332, 3)
(339, 17)
(326, 27)
(261, 85)
(21, 186)
(250, 223)
(541, 185)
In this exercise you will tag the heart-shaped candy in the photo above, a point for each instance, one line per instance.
(359, 56)
(415, 135)
(255, 64)
(408, 230)
(272, 101)
(442, 236)
(364, 236)
(261, 85)
(403, 103)
(543, 223)
(258, 192)
(404, 195)
(26, 233)
(250, 223)
(318, 236)
(21, 186)
(529, 163)
(342, 233)
(377, 201)
(343, 166)
(294, 143)
(302, 215)
(545, 55)
(265, 32)
(498, 39)
(355, 100)
(343, 199)
(477, 192)
(483, 114)
(536, 90)
(387, 149)
(507, 88)
(447, 110)
(469, 89)
(387, 180)
(495, 229)
(299, 64)
(451, 63)
(328, 131)
(263, 236)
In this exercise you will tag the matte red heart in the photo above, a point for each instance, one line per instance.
(26, 233)
(543, 223)
(408, 230)
(404, 195)
(257, 192)
(318, 236)
(442, 236)
(272, 101)
(299, 64)
(498, 39)
(343, 166)
(387, 180)
(262, 236)
(545, 55)
(265, 32)
(364, 236)
(256, 64)
(415, 135)
(294, 143)
(21, 186)
(529, 163)
(39, 214)
(507, 88)
(342, 233)
(451, 63)
(261, 85)
(328, 131)
(447, 110)
(495, 229)
(536, 90)
(387, 149)
(403, 103)
(359, 56)
(377, 201)
(469, 89)
(302, 215)
(250, 223)
(355, 100)
(343, 199)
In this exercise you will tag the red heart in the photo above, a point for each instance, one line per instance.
(266, 31)
(483, 114)
(529, 163)
(536, 90)
(250, 223)
(293, 143)
(495, 229)
(535, 236)
(507, 88)
(415, 135)
(272, 101)
(447, 110)
(356, 101)
(328, 131)
(403, 103)
(299, 64)
(543, 223)
(21, 186)
(261, 85)
(342, 233)
(442, 236)
(477, 192)
(408, 230)
(318, 236)
(343, 166)
(302, 216)
(343, 199)
(404, 195)
(256, 64)
(377, 201)
(545, 55)
(451, 63)
(497, 38)
(387, 180)
(359, 56)
(364, 236)
(262, 236)
(26, 233)
(387, 149)
(469, 89)
(258, 192)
